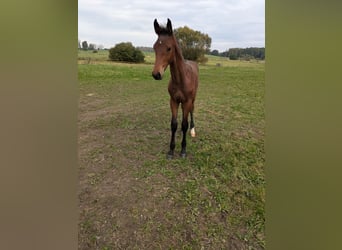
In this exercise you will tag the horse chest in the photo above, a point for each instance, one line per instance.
(177, 94)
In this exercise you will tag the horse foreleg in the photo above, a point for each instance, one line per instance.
(185, 125)
(174, 109)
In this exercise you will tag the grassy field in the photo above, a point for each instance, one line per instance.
(132, 197)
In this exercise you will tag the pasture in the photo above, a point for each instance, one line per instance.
(132, 197)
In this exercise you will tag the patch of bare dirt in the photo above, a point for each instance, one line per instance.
(118, 210)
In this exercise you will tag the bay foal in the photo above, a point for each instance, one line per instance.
(182, 85)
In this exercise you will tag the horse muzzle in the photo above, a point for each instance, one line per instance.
(157, 76)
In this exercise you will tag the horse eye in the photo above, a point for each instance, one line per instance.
(168, 49)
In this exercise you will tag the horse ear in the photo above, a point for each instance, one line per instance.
(156, 27)
(169, 27)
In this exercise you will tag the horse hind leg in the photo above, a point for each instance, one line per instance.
(192, 124)
(174, 110)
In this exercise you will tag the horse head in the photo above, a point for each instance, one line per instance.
(164, 48)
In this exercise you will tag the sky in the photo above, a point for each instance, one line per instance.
(229, 23)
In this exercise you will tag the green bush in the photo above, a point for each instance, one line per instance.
(126, 52)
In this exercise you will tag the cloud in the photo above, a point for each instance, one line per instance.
(230, 23)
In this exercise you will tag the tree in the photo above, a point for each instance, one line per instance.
(234, 53)
(215, 52)
(84, 45)
(126, 52)
(194, 44)
(224, 54)
(92, 46)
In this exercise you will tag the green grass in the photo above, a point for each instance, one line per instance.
(101, 55)
(215, 198)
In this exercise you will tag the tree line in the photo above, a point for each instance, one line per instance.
(194, 44)
(91, 46)
(242, 53)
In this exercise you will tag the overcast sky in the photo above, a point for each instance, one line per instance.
(230, 23)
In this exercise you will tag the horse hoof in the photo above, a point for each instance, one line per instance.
(192, 132)
(183, 155)
(169, 156)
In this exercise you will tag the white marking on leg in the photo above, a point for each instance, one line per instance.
(192, 132)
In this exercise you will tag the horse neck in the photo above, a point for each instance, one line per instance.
(177, 66)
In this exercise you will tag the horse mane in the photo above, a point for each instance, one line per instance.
(164, 31)
(178, 48)
(178, 62)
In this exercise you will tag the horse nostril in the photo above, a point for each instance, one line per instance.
(157, 76)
